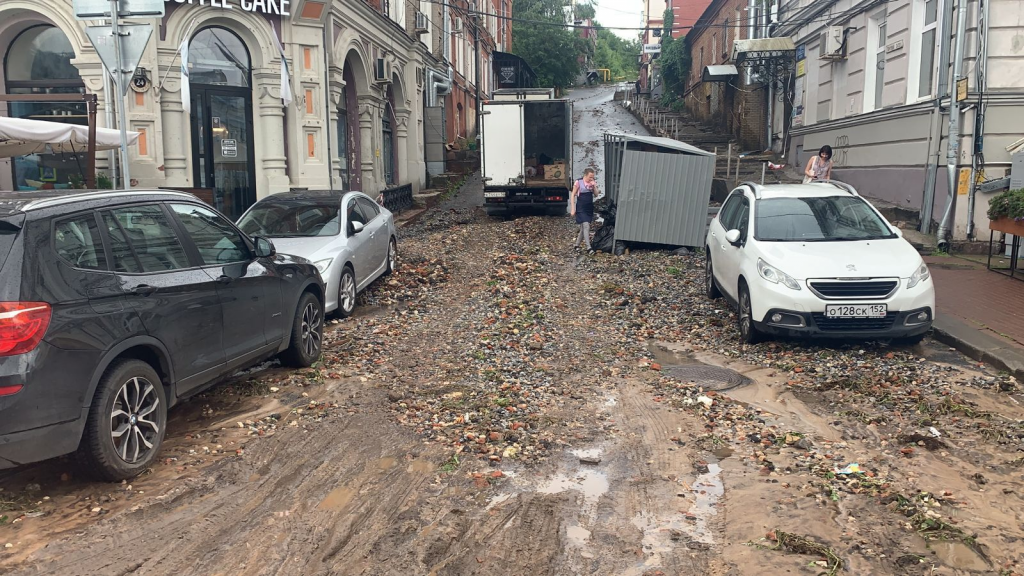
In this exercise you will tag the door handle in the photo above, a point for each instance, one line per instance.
(224, 279)
(143, 290)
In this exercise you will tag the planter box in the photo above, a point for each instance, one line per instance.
(1008, 226)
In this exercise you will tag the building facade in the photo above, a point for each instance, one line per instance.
(870, 78)
(364, 77)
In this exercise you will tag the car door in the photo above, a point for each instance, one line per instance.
(174, 298)
(732, 254)
(359, 242)
(718, 245)
(243, 282)
(379, 234)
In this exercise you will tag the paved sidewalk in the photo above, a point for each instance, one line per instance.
(980, 312)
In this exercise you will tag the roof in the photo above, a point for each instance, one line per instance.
(664, 143)
(718, 73)
(762, 49)
(306, 195)
(11, 202)
(814, 189)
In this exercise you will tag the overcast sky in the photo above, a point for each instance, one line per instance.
(625, 13)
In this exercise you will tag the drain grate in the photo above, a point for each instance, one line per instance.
(709, 377)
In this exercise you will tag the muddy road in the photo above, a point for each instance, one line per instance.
(504, 405)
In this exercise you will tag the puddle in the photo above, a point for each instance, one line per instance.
(386, 463)
(336, 499)
(497, 499)
(956, 554)
(708, 488)
(722, 453)
(577, 535)
(665, 355)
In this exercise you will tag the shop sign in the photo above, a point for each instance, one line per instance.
(229, 148)
(273, 7)
(652, 48)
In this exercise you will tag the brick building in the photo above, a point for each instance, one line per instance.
(491, 19)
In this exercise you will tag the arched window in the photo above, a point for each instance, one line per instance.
(218, 57)
(38, 61)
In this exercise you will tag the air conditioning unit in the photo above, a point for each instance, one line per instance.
(380, 71)
(422, 24)
(457, 26)
(833, 43)
(472, 11)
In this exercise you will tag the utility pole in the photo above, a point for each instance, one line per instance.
(953, 145)
(476, 48)
(935, 131)
(119, 93)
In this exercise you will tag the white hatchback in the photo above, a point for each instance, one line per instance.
(816, 260)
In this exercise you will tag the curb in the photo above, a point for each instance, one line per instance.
(978, 345)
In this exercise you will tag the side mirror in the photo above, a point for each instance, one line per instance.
(897, 232)
(264, 247)
(732, 236)
(357, 227)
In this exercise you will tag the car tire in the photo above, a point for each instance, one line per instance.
(307, 338)
(749, 333)
(710, 288)
(346, 292)
(392, 257)
(126, 423)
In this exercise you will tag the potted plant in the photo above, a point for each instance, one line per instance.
(1006, 212)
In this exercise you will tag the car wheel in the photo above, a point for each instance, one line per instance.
(745, 318)
(126, 423)
(346, 292)
(909, 340)
(392, 257)
(710, 288)
(307, 333)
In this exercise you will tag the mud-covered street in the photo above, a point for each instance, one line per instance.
(505, 405)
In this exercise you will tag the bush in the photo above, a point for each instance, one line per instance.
(1009, 204)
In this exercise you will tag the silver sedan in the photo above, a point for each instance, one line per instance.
(349, 237)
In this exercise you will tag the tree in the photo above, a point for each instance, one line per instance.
(617, 54)
(553, 50)
(674, 59)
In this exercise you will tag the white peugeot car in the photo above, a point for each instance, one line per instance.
(816, 260)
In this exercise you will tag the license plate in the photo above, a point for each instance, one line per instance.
(856, 310)
(494, 194)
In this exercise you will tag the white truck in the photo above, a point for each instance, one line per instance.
(527, 151)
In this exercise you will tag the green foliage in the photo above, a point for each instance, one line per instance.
(617, 54)
(552, 51)
(584, 11)
(674, 60)
(1009, 204)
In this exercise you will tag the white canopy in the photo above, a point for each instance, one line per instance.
(21, 137)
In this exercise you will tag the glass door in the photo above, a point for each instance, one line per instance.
(222, 148)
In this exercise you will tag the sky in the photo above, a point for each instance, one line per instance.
(626, 13)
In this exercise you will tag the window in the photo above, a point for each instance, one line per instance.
(39, 62)
(292, 218)
(142, 240)
(78, 243)
(353, 214)
(874, 72)
(218, 57)
(729, 215)
(831, 218)
(216, 239)
(368, 208)
(921, 81)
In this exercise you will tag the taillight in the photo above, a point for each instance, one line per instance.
(10, 390)
(22, 325)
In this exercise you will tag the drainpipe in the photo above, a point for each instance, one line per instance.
(981, 81)
(108, 88)
(771, 84)
(953, 144)
(438, 85)
(935, 131)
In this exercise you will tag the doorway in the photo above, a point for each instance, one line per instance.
(223, 157)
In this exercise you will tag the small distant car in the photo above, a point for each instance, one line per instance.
(816, 260)
(349, 237)
(117, 305)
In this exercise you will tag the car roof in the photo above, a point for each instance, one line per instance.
(12, 202)
(299, 195)
(814, 189)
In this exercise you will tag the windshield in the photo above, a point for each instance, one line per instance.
(818, 219)
(275, 219)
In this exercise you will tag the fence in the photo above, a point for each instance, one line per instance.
(398, 198)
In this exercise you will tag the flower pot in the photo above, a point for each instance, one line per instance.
(1008, 226)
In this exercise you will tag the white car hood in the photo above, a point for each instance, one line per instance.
(310, 248)
(893, 257)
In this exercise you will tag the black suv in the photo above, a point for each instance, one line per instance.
(116, 305)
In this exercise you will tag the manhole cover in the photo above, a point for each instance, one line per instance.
(709, 377)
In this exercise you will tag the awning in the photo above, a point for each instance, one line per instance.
(21, 137)
(761, 49)
(718, 73)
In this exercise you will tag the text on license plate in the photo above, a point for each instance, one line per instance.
(856, 310)
(494, 194)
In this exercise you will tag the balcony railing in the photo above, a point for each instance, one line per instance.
(397, 199)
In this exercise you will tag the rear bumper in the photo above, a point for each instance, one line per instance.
(907, 324)
(39, 444)
(526, 196)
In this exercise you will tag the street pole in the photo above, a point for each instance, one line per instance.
(126, 182)
(953, 144)
(479, 106)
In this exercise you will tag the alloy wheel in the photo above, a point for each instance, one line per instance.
(311, 320)
(708, 278)
(745, 313)
(131, 430)
(392, 256)
(347, 294)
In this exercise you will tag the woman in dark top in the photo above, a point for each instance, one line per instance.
(581, 204)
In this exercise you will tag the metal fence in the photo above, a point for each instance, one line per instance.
(398, 198)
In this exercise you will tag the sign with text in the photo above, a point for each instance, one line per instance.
(99, 9)
(133, 41)
(273, 7)
(961, 90)
(652, 48)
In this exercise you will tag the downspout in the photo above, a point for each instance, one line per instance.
(771, 84)
(438, 85)
(108, 110)
(935, 130)
(953, 142)
(981, 80)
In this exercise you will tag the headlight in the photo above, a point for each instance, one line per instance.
(322, 265)
(776, 276)
(919, 275)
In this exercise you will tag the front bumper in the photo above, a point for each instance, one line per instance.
(782, 322)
